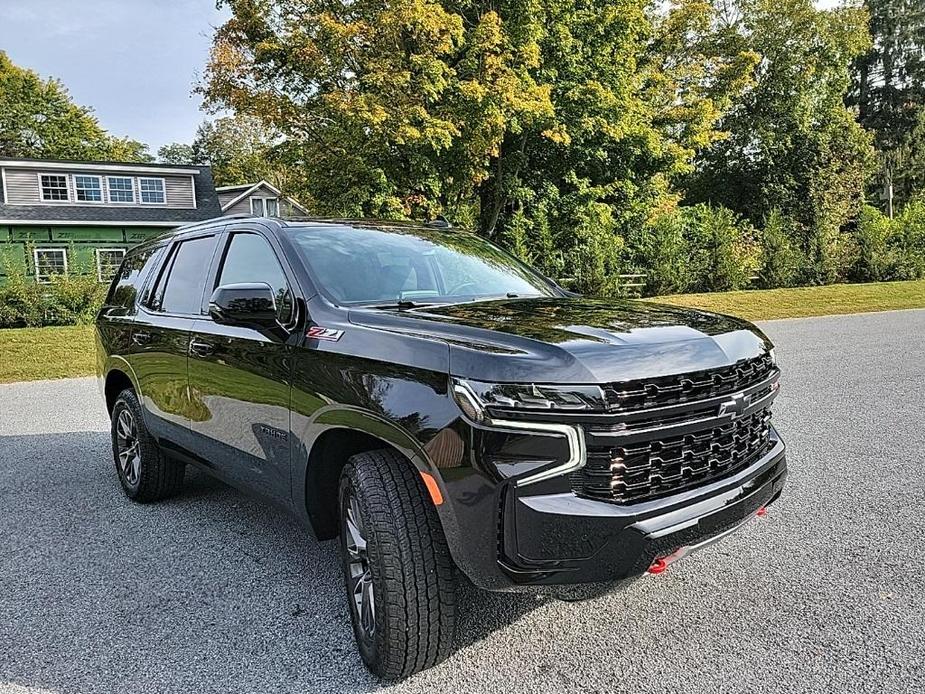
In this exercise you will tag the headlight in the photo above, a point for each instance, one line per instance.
(773, 358)
(530, 397)
(475, 398)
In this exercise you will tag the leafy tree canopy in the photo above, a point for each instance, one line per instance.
(39, 120)
(176, 153)
(793, 146)
(889, 91)
(553, 124)
(239, 149)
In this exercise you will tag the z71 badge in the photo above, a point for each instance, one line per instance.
(316, 332)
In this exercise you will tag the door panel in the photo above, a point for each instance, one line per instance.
(240, 377)
(239, 392)
(160, 345)
(161, 336)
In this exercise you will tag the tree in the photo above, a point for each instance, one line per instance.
(889, 91)
(552, 125)
(176, 153)
(793, 146)
(239, 149)
(39, 120)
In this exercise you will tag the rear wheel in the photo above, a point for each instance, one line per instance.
(400, 579)
(145, 472)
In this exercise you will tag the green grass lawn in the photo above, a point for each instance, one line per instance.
(30, 354)
(35, 353)
(766, 304)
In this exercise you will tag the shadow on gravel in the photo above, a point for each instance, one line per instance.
(211, 591)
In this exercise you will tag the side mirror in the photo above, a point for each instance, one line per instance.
(250, 305)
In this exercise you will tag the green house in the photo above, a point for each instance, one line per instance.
(70, 216)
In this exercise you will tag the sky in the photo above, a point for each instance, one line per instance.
(135, 62)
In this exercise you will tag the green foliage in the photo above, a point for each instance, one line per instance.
(554, 126)
(39, 120)
(889, 92)
(724, 253)
(239, 149)
(72, 299)
(176, 153)
(793, 146)
(699, 248)
(781, 260)
(883, 249)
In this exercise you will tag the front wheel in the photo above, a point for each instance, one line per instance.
(400, 579)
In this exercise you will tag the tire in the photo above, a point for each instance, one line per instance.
(145, 472)
(409, 573)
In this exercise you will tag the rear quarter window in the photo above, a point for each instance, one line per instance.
(135, 268)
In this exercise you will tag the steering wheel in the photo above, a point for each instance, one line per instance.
(459, 287)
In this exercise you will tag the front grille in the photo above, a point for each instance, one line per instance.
(667, 435)
(689, 387)
(659, 467)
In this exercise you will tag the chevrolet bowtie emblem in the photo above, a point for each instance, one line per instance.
(734, 407)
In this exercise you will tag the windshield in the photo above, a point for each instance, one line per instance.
(370, 266)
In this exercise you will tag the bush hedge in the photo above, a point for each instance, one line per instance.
(699, 248)
(65, 300)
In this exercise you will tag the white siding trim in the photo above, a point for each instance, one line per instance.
(92, 222)
(71, 165)
(192, 185)
(243, 195)
(296, 204)
(6, 196)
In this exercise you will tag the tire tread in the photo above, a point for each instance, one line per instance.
(414, 563)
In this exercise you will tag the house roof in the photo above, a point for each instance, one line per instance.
(248, 189)
(207, 204)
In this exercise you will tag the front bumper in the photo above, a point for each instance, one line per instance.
(563, 539)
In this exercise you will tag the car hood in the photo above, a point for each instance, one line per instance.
(573, 340)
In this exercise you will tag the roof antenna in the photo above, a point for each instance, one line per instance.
(439, 222)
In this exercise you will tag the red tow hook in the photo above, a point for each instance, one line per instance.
(661, 564)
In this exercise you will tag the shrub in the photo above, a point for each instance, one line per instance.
(723, 252)
(781, 260)
(909, 240)
(661, 251)
(65, 300)
(884, 249)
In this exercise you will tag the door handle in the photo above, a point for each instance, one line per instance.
(201, 349)
(141, 338)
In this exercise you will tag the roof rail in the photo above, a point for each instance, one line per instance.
(215, 220)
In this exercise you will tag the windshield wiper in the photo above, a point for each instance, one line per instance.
(401, 304)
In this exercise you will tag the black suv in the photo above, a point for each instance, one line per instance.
(440, 407)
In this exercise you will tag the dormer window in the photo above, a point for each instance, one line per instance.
(265, 207)
(121, 189)
(54, 188)
(88, 188)
(151, 191)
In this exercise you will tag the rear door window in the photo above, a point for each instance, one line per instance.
(180, 290)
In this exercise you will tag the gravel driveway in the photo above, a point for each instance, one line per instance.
(213, 592)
